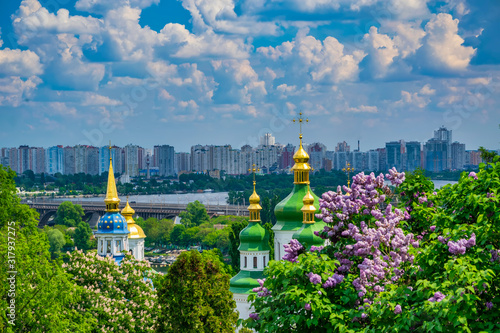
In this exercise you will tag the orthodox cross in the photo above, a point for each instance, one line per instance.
(348, 170)
(253, 170)
(300, 121)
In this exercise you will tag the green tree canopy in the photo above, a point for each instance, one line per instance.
(194, 296)
(82, 236)
(194, 215)
(43, 293)
(69, 214)
(56, 240)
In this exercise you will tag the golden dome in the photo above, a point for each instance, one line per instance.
(254, 207)
(301, 155)
(135, 231)
(308, 209)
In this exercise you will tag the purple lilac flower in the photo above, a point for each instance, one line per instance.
(495, 255)
(421, 200)
(261, 291)
(332, 281)
(254, 316)
(460, 246)
(397, 309)
(364, 315)
(307, 306)
(472, 174)
(489, 305)
(316, 248)
(433, 227)
(438, 297)
(314, 278)
(292, 250)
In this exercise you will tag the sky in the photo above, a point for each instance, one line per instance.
(186, 72)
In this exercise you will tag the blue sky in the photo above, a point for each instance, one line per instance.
(224, 71)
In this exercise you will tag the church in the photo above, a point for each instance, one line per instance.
(117, 233)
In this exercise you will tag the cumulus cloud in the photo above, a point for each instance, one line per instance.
(103, 6)
(14, 90)
(381, 52)
(420, 99)
(363, 109)
(19, 63)
(443, 48)
(96, 99)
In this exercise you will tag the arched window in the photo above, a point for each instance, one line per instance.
(108, 246)
(118, 246)
(245, 262)
(254, 262)
(264, 260)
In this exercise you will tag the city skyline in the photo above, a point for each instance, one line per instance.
(188, 72)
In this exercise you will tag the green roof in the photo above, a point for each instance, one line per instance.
(306, 235)
(245, 281)
(288, 212)
(254, 238)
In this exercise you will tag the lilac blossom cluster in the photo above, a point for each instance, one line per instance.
(382, 246)
(472, 174)
(292, 250)
(460, 246)
(332, 281)
(261, 291)
(438, 297)
(314, 278)
(495, 255)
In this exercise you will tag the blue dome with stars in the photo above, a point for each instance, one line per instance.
(112, 222)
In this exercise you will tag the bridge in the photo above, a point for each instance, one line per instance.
(95, 209)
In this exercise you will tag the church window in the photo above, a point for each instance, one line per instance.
(254, 262)
(245, 262)
(108, 246)
(118, 246)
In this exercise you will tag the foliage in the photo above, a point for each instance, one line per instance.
(194, 215)
(121, 298)
(446, 281)
(69, 214)
(234, 243)
(43, 292)
(56, 240)
(82, 236)
(487, 155)
(194, 296)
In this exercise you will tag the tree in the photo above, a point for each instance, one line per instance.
(194, 215)
(121, 297)
(69, 214)
(82, 236)
(43, 291)
(234, 243)
(487, 155)
(176, 235)
(56, 240)
(194, 296)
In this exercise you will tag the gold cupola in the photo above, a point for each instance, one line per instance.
(254, 207)
(134, 229)
(301, 167)
(308, 210)
(112, 201)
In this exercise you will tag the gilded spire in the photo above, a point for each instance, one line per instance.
(112, 201)
(301, 167)
(254, 207)
(308, 209)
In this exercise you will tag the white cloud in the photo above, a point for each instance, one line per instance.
(442, 46)
(96, 99)
(408, 36)
(14, 90)
(59, 108)
(163, 94)
(19, 63)
(381, 51)
(363, 109)
(280, 51)
(103, 6)
(419, 99)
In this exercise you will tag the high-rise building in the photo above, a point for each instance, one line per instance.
(472, 159)
(4, 157)
(69, 160)
(443, 134)
(358, 160)
(395, 155)
(92, 160)
(373, 160)
(286, 158)
(199, 158)
(457, 156)
(436, 154)
(341, 159)
(342, 147)
(80, 159)
(24, 158)
(182, 162)
(413, 154)
(317, 152)
(37, 159)
(267, 140)
(54, 160)
(166, 159)
(133, 154)
(14, 159)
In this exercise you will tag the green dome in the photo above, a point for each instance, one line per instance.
(254, 238)
(245, 281)
(288, 212)
(307, 237)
